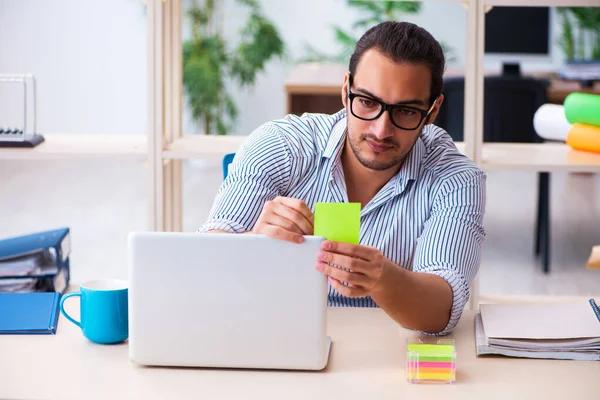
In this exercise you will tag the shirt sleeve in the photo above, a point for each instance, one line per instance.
(259, 172)
(452, 240)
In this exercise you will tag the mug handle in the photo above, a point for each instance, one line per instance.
(62, 309)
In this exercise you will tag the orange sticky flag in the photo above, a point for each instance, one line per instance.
(584, 137)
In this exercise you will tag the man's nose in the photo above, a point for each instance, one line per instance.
(382, 127)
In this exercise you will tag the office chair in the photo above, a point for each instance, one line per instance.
(227, 159)
(510, 103)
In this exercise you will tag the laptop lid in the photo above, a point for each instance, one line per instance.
(226, 300)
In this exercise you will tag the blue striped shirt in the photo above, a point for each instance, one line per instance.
(427, 218)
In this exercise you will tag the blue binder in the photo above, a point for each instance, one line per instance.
(48, 251)
(29, 313)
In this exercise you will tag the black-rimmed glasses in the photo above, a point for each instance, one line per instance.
(369, 109)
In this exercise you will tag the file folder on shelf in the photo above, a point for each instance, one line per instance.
(38, 262)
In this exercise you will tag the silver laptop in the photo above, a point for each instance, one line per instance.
(227, 301)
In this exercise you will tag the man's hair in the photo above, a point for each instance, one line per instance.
(403, 42)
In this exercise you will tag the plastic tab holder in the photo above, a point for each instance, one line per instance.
(430, 361)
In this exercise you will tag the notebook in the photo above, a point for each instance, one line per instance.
(29, 313)
(568, 331)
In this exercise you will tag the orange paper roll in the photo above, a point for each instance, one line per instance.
(584, 137)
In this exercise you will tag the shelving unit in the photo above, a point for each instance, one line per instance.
(193, 146)
(82, 146)
(541, 157)
(547, 157)
(164, 147)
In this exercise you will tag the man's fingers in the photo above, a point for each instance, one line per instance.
(353, 264)
(299, 206)
(277, 232)
(356, 279)
(345, 290)
(294, 217)
(283, 222)
(352, 250)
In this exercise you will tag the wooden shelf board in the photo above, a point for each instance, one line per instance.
(316, 78)
(197, 146)
(66, 146)
(542, 157)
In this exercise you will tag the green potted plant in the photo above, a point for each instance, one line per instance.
(208, 60)
(580, 39)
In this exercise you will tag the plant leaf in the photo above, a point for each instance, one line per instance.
(344, 38)
(372, 6)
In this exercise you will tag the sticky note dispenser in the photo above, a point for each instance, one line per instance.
(430, 361)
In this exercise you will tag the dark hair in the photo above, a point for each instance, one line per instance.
(404, 42)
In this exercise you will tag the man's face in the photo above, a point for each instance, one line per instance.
(379, 144)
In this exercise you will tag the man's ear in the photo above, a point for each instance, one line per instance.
(436, 109)
(345, 89)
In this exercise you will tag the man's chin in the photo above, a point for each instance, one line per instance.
(379, 163)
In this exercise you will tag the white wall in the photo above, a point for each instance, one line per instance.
(88, 57)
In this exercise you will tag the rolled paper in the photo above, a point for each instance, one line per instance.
(583, 108)
(550, 122)
(584, 137)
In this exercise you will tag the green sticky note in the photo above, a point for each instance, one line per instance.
(339, 222)
(431, 348)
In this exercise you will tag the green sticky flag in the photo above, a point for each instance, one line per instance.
(429, 349)
(339, 222)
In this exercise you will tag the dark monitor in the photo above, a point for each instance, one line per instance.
(517, 30)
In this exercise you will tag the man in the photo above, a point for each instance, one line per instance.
(422, 201)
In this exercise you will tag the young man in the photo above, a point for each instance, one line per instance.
(422, 201)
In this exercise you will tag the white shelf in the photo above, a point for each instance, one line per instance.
(460, 146)
(198, 146)
(81, 146)
(543, 3)
(542, 157)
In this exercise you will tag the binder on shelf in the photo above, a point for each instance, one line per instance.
(37, 262)
(29, 313)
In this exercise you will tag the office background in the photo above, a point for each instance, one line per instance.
(91, 73)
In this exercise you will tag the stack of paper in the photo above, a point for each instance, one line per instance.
(560, 331)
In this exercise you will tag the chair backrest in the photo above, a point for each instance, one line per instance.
(509, 106)
(227, 159)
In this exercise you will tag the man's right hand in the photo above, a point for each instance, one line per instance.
(286, 219)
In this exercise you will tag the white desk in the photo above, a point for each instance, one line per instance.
(367, 362)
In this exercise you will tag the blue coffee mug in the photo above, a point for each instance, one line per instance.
(104, 313)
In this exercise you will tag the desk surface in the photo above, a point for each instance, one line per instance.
(367, 362)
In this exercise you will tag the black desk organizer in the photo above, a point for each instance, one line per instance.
(21, 136)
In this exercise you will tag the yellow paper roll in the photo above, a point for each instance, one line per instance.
(584, 137)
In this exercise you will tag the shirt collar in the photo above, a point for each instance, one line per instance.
(335, 143)
(411, 167)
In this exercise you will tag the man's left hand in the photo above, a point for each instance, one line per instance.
(363, 267)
